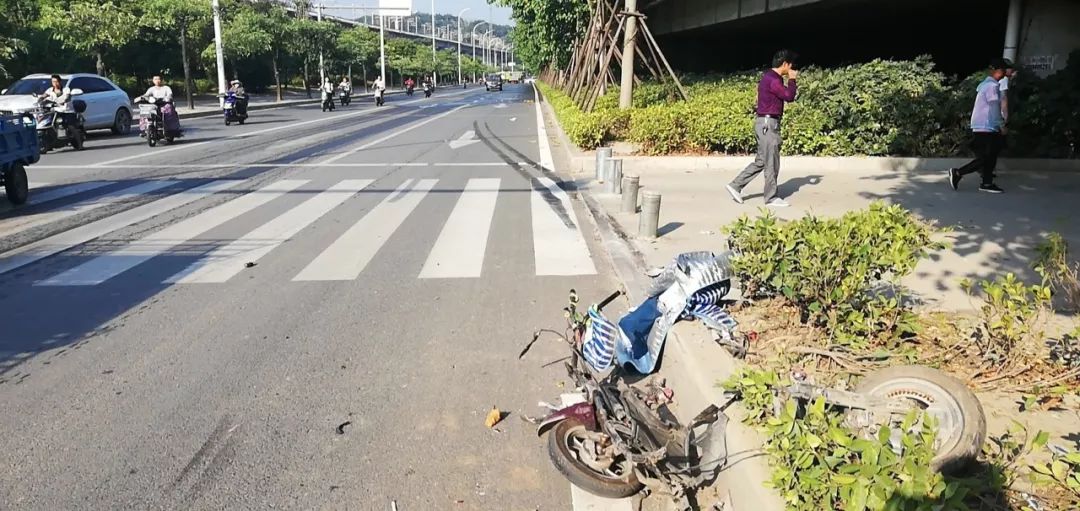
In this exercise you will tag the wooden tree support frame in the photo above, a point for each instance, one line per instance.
(597, 57)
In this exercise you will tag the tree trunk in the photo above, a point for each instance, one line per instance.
(188, 84)
(307, 84)
(100, 63)
(277, 75)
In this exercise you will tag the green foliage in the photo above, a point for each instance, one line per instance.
(92, 26)
(1009, 315)
(545, 30)
(1061, 473)
(828, 268)
(878, 108)
(584, 129)
(1045, 118)
(817, 463)
(1061, 273)
(357, 45)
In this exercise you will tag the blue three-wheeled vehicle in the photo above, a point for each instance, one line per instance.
(18, 148)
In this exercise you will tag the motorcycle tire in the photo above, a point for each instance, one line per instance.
(580, 474)
(241, 121)
(151, 140)
(78, 140)
(169, 139)
(961, 420)
(227, 122)
(16, 184)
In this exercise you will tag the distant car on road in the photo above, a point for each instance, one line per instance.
(107, 105)
(530, 80)
(493, 82)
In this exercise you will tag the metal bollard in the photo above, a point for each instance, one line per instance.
(649, 221)
(629, 193)
(613, 176)
(603, 154)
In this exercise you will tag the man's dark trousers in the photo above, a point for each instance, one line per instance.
(767, 130)
(986, 147)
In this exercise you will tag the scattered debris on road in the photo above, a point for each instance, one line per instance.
(250, 264)
(341, 427)
(493, 417)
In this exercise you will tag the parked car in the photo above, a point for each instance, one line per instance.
(107, 105)
(493, 82)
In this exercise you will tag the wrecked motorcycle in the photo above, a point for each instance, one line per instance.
(609, 441)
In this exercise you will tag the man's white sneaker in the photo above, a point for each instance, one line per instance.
(777, 203)
(735, 194)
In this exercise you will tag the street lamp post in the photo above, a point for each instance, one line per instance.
(217, 48)
(434, 55)
(473, 39)
(487, 51)
(463, 11)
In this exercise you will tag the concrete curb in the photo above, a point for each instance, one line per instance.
(708, 364)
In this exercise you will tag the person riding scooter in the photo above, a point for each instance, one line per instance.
(237, 89)
(346, 90)
(410, 85)
(380, 91)
(162, 96)
(427, 87)
(61, 98)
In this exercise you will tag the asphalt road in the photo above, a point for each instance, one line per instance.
(188, 326)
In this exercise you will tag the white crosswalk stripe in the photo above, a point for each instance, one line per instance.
(105, 267)
(347, 257)
(459, 251)
(19, 224)
(558, 242)
(55, 244)
(225, 262)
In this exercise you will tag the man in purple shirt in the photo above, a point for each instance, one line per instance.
(772, 94)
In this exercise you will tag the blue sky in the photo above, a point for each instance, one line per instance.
(479, 9)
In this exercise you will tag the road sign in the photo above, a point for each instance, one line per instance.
(395, 7)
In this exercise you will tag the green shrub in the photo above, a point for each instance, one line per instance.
(1009, 317)
(828, 268)
(817, 463)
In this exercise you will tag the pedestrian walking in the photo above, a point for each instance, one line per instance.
(772, 94)
(988, 129)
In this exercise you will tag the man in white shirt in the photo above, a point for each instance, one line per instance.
(159, 91)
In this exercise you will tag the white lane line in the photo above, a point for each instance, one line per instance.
(21, 223)
(107, 266)
(41, 249)
(64, 191)
(348, 255)
(250, 165)
(394, 134)
(547, 163)
(459, 251)
(558, 243)
(244, 135)
(585, 501)
(225, 262)
(37, 184)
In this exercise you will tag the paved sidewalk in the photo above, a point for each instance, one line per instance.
(991, 234)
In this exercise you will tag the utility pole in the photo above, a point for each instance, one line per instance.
(473, 38)
(434, 55)
(322, 67)
(460, 14)
(626, 91)
(382, 47)
(218, 49)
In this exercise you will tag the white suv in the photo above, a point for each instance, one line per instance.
(107, 106)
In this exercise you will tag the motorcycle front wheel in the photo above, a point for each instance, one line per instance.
(151, 140)
(960, 417)
(570, 446)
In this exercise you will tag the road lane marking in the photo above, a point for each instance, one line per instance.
(393, 134)
(297, 165)
(247, 134)
(65, 191)
(107, 266)
(225, 262)
(349, 255)
(547, 163)
(558, 243)
(41, 249)
(465, 140)
(19, 224)
(459, 251)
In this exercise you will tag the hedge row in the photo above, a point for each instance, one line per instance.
(903, 108)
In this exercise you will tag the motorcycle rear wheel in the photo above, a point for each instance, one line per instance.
(564, 441)
(960, 416)
(151, 140)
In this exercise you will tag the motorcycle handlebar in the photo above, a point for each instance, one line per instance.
(606, 301)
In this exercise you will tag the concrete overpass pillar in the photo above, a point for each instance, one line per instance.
(1012, 29)
(626, 92)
